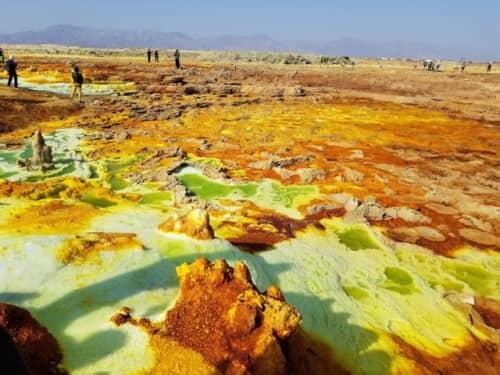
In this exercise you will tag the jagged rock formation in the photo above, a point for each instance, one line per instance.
(42, 154)
(194, 224)
(222, 316)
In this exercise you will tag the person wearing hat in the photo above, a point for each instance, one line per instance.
(12, 70)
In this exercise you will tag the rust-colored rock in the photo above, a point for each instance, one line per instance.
(489, 309)
(38, 348)
(478, 358)
(221, 324)
(221, 315)
(195, 223)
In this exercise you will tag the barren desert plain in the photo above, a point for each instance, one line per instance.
(238, 216)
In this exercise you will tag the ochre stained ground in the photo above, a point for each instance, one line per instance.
(382, 167)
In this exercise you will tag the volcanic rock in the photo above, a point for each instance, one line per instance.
(221, 315)
(38, 348)
(195, 224)
(281, 162)
(221, 324)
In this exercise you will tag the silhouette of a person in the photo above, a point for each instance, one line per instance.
(12, 70)
(177, 57)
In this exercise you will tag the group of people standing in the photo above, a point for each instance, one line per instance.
(177, 57)
(156, 54)
(435, 65)
(76, 75)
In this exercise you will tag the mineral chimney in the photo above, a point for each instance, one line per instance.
(42, 154)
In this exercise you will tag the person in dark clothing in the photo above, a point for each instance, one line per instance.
(157, 56)
(488, 68)
(77, 84)
(12, 70)
(149, 55)
(177, 57)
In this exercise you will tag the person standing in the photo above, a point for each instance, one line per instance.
(157, 56)
(488, 68)
(149, 55)
(77, 84)
(12, 70)
(177, 57)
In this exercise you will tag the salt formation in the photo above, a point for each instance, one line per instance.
(42, 154)
(221, 316)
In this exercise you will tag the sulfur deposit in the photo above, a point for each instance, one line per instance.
(222, 324)
(367, 195)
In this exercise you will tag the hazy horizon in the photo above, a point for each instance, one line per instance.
(469, 27)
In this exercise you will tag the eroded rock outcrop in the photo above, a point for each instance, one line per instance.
(37, 348)
(42, 154)
(195, 224)
(222, 316)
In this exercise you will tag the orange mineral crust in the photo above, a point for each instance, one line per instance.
(489, 309)
(222, 324)
(37, 347)
(375, 187)
(55, 217)
(477, 358)
(59, 188)
(221, 315)
(85, 247)
(255, 228)
(194, 224)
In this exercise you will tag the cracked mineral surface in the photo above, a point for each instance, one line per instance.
(369, 198)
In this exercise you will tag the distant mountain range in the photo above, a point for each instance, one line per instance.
(71, 35)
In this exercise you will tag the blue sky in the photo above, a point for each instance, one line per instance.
(466, 24)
